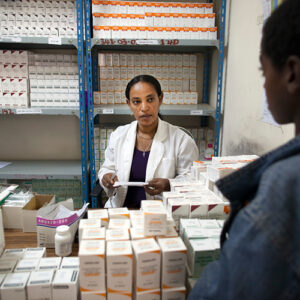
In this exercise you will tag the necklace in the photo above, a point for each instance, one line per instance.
(149, 144)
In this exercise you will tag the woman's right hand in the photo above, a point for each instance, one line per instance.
(109, 179)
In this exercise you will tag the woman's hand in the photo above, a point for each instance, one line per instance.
(109, 179)
(157, 186)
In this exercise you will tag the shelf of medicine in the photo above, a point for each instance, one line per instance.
(25, 170)
(65, 111)
(158, 45)
(36, 42)
(177, 110)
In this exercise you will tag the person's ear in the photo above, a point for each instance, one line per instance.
(161, 97)
(292, 76)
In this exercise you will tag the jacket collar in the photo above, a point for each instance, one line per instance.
(241, 186)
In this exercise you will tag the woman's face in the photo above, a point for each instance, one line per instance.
(144, 103)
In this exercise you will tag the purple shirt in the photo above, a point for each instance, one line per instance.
(136, 194)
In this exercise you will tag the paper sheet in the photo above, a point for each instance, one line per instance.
(4, 164)
(128, 183)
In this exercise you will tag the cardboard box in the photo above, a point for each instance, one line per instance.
(173, 262)
(38, 252)
(49, 263)
(146, 257)
(30, 209)
(27, 265)
(148, 295)
(65, 285)
(17, 253)
(39, 285)
(87, 223)
(175, 293)
(7, 265)
(93, 233)
(92, 261)
(71, 262)
(97, 295)
(117, 234)
(119, 267)
(14, 286)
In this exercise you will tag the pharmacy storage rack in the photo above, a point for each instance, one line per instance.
(185, 46)
(60, 170)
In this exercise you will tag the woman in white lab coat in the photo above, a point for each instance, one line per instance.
(146, 150)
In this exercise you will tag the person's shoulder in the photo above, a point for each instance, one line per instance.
(287, 167)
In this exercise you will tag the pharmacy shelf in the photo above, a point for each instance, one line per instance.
(65, 111)
(173, 110)
(36, 42)
(156, 45)
(42, 170)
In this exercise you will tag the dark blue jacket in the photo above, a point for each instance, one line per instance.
(260, 256)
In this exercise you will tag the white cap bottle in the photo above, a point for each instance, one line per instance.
(63, 241)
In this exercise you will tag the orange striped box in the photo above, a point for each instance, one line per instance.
(92, 265)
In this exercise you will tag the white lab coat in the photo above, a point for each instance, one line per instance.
(171, 156)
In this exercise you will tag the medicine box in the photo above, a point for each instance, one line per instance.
(119, 266)
(49, 263)
(173, 262)
(92, 261)
(65, 284)
(39, 285)
(146, 257)
(27, 265)
(14, 286)
(71, 262)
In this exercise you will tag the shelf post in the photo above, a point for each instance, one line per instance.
(89, 75)
(220, 78)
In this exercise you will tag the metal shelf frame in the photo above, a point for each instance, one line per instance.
(53, 169)
(31, 169)
(188, 46)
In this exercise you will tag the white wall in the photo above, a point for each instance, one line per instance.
(243, 129)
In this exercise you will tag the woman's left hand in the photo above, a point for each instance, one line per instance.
(157, 186)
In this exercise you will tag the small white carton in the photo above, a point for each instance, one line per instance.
(148, 295)
(119, 267)
(187, 223)
(87, 223)
(7, 265)
(39, 285)
(178, 209)
(17, 253)
(173, 262)
(147, 260)
(27, 265)
(38, 252)
(117, 234)
(119, 223)
(71, 262)
(155, 220)
(93, 234)
(65, 284)
(99, 214)
(98, 295)
(14, 286)
(118, 213)
(92, 262)
(175, 293)
(49, 263)
(200, 253)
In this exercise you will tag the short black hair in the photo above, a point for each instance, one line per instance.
(144, 78)
(281, 33)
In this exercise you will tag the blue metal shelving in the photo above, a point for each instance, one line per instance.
(82, 112)
(220, 78)
(191, 46)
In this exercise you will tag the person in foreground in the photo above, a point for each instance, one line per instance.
(260, 255)
(146, 150)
